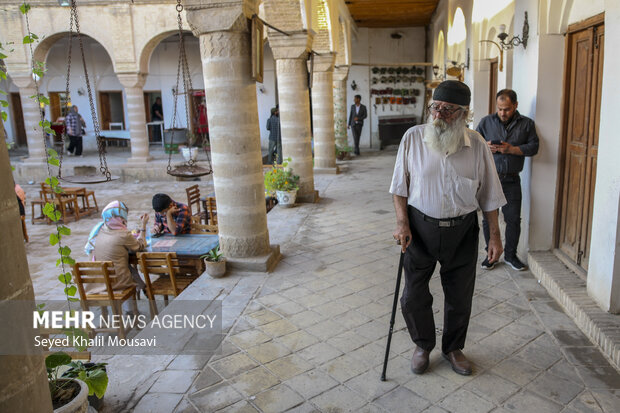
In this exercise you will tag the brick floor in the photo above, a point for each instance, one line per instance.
(310, 336)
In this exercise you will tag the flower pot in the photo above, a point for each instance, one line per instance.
(79, 404)
(286, 199)
(189, 153)
(216, 269)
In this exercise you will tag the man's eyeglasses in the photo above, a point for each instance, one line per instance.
(446, 110)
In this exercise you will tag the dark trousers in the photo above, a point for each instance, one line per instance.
(456, 250)
(512, 215)
(75, 142)
(356, 129)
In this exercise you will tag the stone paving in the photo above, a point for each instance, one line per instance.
(310, 336)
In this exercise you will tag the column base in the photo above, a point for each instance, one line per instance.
(328, 171)
(311, 198)
(260, 263)
(138, 160)
(32, 161)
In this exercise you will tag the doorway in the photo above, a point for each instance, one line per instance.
(581, 118)
(18, 120)
(111, 110)
(493, 74)
(154, 126)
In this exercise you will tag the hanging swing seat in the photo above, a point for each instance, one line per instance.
(189, 171)
(88, 179)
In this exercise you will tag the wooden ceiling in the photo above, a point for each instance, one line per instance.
(391, 13)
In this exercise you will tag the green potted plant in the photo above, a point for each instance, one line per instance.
(215, 263)
(342, 151)
(71, 382)
(283, 182)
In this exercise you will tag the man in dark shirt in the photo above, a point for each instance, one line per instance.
(170, 217)
(511, 137)
(157, 116)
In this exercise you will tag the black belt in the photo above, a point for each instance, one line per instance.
(446, 222)
(513, 175)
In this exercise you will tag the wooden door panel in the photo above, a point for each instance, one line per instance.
(571, 218)
(106, 115)
(580, 89)
(18, 120)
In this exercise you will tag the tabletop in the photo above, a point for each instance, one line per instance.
(185, 245)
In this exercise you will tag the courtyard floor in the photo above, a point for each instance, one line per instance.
(310, 336)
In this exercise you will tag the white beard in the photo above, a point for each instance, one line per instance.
(443, 137)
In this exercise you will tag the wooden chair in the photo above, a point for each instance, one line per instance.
(211, 207)
(24, 230)
(102, 272)
(66, 203)
(193, 202)
(86, 197)
(199, 228)
(173, 277)
(39, 218)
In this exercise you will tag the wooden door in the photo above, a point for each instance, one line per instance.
(54, 106)
(18, 120)
(493, 74)
(580, 141)
(105, 111)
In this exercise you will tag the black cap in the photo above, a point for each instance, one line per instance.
(453, 91)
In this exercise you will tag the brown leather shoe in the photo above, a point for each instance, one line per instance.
(459, 363)
(419, 361)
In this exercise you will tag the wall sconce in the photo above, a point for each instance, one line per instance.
(354, 85)
(81, 91)
(261, 89)
(501, 53)
(516, 40)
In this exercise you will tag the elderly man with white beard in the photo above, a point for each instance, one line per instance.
(444, 173)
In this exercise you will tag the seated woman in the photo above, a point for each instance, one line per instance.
(110, 240)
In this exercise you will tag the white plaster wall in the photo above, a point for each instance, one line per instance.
(604, 267)
(582, 9)
(266, 95)
(375, 46)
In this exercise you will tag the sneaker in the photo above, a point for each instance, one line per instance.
(515, 263)
(487, 265)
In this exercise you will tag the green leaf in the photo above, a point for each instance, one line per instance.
(34, 36)
(70, 291)
(45, 100)
(24, 8)
(68, 260)
(54, 239)
(3, 56)
(58, 216)
(48, 208)
(51, 181)
(64, 230)
(28, 40)
(54, 162)
(64, 250)
(4, 116)
(2, 75)
(73, 300)
(97, 382)
(52, 152)
(4, 103)
(65, 278)
(56, 360)
(2, 92)
(47, 129)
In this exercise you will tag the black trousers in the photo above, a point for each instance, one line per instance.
(456, 250)
(511, 186)
(75, 142)
(356, 129)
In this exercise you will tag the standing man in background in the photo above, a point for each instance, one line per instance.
(157, 116)
(74, 127)
(275, 136)
(356, 121)
(511, 137)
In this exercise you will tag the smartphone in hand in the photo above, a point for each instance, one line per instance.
(496, 142)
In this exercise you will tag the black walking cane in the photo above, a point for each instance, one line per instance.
(389, 340)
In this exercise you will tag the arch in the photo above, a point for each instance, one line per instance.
(457, 36)
(144, 57)
(440, 50)
(43, 48)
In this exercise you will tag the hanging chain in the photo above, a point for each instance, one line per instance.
(103, 163)
(67, 92)
(179, 8)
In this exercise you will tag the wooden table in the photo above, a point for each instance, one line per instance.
(81, 193)
(188, 247)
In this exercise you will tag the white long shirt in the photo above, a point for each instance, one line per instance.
(446, 186)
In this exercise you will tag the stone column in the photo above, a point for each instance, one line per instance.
(225, 49)
(32, 117)
(291, 55)
(340, 105)
(23, 378)
(133, 83)
(323, 114)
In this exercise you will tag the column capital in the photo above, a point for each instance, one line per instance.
(208, 16)
(131, 80)
(324, 62)
(341, 73)
(23, 80)
(295, 46)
